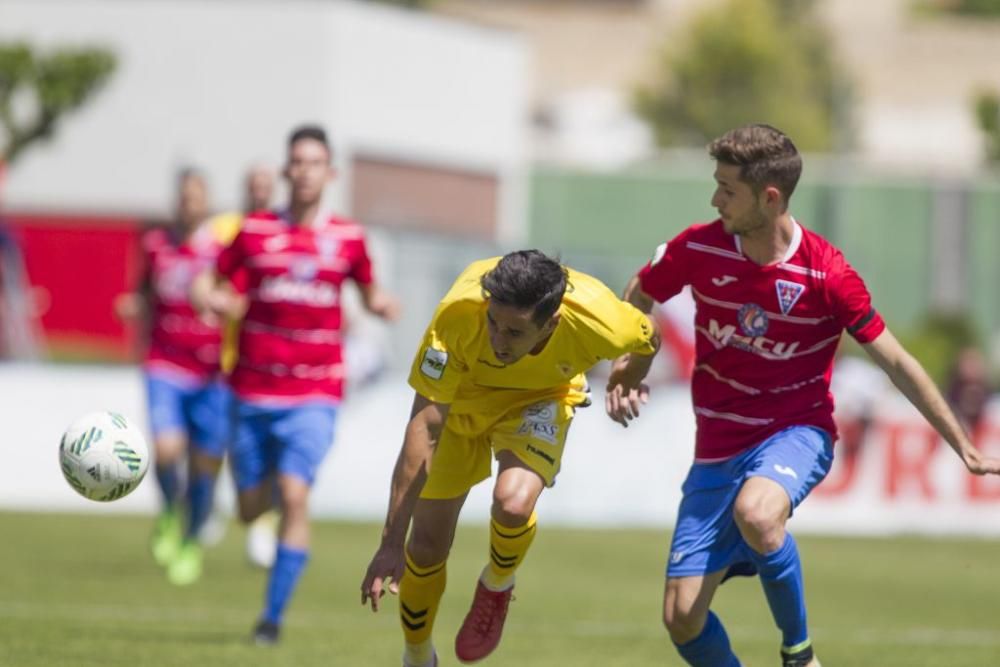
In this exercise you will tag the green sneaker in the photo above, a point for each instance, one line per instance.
(185, 568)
(166, 540)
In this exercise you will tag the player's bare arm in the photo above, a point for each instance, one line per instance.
(213, 295)
(131, 306)
(912, 380)
(422, 432)
(625, 390)
(635, 295)
(379, 302)
(137, 305)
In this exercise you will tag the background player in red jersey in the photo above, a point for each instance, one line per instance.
(289, 376)
(258, 191)
(772, 300)
(188, 404)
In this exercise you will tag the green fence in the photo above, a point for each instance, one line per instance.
(609, 223)
(984, 267)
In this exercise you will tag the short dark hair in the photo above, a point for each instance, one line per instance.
(189, 172)
(314, 132)
(527, 280)
(764, 154)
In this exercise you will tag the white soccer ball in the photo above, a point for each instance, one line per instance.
(103, 456)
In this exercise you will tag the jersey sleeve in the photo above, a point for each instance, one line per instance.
(361, 267)
(148, 245)
(666, 273)
(440, 361)
(852, 304)
(230, 260)
(613, 327)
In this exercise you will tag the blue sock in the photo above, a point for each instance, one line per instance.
(711, 648)
(201, 490)
(285, 573)
(781, 577)
(170, 483)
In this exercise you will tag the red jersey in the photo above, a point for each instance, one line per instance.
(765, 335)
(290, 346)
(181, 342)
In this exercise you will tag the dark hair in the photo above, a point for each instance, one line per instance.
(314, 132)
(764, 154)
(188, 172)
(527, 280)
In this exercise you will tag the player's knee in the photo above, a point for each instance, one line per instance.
(294, 502)
(759, 525)
(253, 502)
(428, 548)
(249, 509)
(684, 623)
(293, 489)
(513, 507)
(169, 448)
(203, 464)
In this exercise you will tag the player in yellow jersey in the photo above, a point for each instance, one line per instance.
(500, 373)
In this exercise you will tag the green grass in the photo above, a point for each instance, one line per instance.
(82, 590)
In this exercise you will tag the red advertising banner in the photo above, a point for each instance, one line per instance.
(76, 266)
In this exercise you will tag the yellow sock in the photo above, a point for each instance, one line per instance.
(420, 593)
(508, 546)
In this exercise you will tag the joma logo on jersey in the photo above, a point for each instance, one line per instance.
(757, 344)
(284, 289)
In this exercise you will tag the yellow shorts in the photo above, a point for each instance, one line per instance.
(534, 432)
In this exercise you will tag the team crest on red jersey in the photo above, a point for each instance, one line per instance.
(327, 247)
(753, 320)
(788, 294)
(304, 269)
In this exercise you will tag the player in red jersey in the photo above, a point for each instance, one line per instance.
(188, 404)
(289, 377)
(772, 300)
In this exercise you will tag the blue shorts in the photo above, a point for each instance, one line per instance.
(201, 411)
(706, 538)
(286, 440)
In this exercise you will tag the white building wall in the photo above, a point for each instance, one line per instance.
(219, 85)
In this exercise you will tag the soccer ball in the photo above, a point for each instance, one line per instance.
(103, 456)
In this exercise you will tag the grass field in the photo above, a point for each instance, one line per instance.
(81, 590)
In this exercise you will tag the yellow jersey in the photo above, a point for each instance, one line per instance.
(456, 365)
(225, 227)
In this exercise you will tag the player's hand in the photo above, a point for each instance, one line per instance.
(981, 465)
(385, 306)
(624, 395)
(128, 306)
(622, 404)
(626, 390)
(384, 574)
(223, 304)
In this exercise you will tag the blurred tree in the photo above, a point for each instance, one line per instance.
(751, 61)
(937, 340)
(36, 90)
(987, 109)
(980, 8)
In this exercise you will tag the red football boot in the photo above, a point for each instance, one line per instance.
(483, 625)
